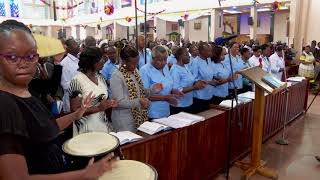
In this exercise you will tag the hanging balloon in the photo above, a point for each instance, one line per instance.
(128, 19)
(275, 6)
(109, 9)
(280, 5)
(186, 16)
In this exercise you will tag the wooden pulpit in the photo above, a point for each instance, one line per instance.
(256, 165)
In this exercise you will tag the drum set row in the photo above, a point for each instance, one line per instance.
(97, 145)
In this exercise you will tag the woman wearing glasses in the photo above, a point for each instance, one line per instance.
(87, 81)
(127, 88)
(26, 127)
(158, 72)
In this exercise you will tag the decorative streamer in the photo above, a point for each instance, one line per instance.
(151, 14)
(2, 8)
(14, 8)
(63, 7)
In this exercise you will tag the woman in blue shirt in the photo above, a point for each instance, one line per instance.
(184, 81)
(158, 72)
(221, 76)
(202, 70)
(237, 65)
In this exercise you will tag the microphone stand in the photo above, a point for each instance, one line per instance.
(282, 140)
(234, 96)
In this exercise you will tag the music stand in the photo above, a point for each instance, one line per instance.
(256, 165)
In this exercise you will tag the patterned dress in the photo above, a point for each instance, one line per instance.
(96, 122)
(306, 70)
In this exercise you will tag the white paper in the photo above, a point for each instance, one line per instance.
(248, 95)
(191, 116)
(126, 137)
(176, 124)
(151, 127)
(296, 79)
(228, 103)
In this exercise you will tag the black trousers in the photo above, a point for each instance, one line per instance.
(176, 110)
(231, 93)
(217, 100)
(246, 88)
(200, 105)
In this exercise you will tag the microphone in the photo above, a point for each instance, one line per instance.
(260, 61)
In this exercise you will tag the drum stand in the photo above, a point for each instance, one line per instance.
(314, 98)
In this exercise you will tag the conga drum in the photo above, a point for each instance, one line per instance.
(80, 149)
(130, 170)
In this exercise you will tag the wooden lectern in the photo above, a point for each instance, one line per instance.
(256, 165)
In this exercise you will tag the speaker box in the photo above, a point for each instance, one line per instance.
(250, 21)
(180, 22)
(62, 34)
(142, 27)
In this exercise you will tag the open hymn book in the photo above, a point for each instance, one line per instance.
(152, 128)
(126, 137)
(180, 120)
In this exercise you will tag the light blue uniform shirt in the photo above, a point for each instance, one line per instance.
(108, 69)
(237, 65)
(245, 80)
(202, 70)
(171, 60)
(189, 65)
(220, 71)
(182, 77)
(142, 60)
(150, 76)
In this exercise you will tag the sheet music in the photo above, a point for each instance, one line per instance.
(126, 137)
(248, 95)
(191, 116)
(296, 79)
(228, 103)
(174, 123)
(151, 127)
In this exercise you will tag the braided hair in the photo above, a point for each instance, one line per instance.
(10, 25)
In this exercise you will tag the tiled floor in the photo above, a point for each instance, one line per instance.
(295, 161)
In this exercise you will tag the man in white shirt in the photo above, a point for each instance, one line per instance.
(277, 63)
(256, 59)
(69, 70)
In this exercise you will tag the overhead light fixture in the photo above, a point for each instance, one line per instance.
(234, 7)
(232, 11)
(264, 9)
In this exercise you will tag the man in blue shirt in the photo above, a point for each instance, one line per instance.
(171, 60)
(110, 65)
(143, 58)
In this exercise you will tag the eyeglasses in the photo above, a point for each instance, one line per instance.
(14, 59)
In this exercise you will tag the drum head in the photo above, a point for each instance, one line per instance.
(130, 170)
(91, 144)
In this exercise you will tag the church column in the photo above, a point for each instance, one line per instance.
(49, 31)
(161, 28)
(216, 24)
(299, 12)
(254, 26)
